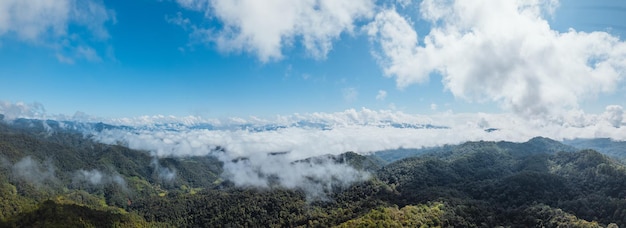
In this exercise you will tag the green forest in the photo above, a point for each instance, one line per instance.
(65, 179)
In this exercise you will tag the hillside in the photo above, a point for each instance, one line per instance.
(537, 145)
(63, 178)
(490, 186)
(615, 149)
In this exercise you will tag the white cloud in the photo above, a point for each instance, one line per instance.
(502, 51)
(163, 173)
(35, 172)
(350, 94)
(316, 177)
(197, 5)
(264, 28)
(93, 15)
(32, 19)
(361, 131)
(64, 59)
(381, 95)
(398, 42)
(87, 53)
(614, 114)
(22, 110)
(46, 23)
(79, 52)
(97, 178)
(92, 176)
(433, 106)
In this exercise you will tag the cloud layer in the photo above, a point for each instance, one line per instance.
(502, 51)
(361, 131)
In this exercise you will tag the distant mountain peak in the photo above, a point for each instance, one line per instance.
(541, 139)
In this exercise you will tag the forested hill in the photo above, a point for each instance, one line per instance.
(494, 186)
(63, 179)
(615, 149)
(537, 145)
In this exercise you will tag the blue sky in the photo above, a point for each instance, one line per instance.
(206, 57)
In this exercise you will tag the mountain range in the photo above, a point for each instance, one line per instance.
(53, 175)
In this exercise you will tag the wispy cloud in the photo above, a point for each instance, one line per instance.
(97, 178)
(503, 51)
(350, 94)
(316, 177)
(381, 95)
(47, 23)
(164, 174)
(433, 107)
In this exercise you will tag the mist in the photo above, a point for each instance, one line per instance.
(317, 177)
(34, 172)
(162, 173)
(97, 178)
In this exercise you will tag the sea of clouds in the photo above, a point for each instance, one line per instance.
(265, 152)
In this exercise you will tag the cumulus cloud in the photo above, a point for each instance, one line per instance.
(502, 51)
(398, 42)
(30, 20)
(615, 115)
(37, 20)
(47, 23)
(381, 95)
(265, 28)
